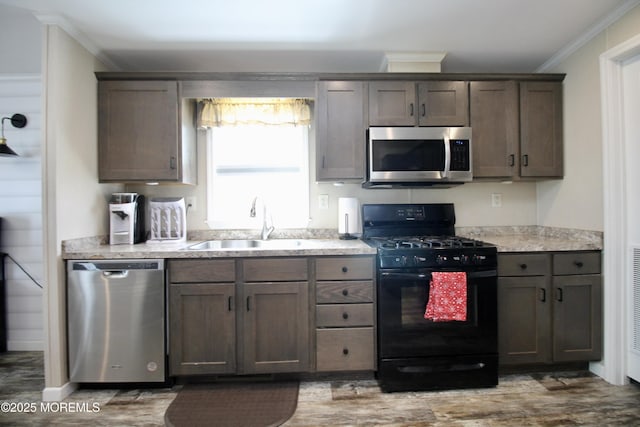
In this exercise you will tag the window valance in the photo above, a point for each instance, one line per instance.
(265, 111)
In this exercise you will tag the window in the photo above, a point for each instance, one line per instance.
(253, 153)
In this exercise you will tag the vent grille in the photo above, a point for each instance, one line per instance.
(636, 300)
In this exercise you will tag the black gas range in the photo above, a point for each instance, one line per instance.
(436, 299)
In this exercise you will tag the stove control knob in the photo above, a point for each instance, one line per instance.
(441, 259)
(464, 259)
(479, 259)
(400, 261)
(417, 260)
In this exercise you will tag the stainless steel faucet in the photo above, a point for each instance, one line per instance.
(266, 230)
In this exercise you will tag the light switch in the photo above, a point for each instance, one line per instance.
(496, 200)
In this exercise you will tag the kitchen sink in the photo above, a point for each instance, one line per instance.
(245, 244)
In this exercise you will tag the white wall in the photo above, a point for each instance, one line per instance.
(577, 200)
(20, 178)
(584, 129)
(74, 203)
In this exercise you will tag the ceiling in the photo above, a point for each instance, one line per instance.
(326, 35)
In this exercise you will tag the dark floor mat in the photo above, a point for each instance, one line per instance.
(258, 404)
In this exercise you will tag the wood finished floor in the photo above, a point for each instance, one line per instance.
(550, 399)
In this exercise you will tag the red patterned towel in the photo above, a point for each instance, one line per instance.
(447, 297)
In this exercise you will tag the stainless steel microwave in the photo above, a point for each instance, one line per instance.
(418, 156)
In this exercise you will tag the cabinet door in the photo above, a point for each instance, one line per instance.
(577, 318)
(494, 122)
(276, 327)
(443, 103)
(392, 104)
(138, 131)
(524, 313)
(341, 123)
(202, 328)
(541, 129)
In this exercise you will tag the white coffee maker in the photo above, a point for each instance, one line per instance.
(126, 218)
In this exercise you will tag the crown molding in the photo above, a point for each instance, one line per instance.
(411, 58)
(587, 36)
(77, 35)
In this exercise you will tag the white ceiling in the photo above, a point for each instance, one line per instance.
(326, 35)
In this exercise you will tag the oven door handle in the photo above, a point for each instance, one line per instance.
(470, 275)
(481, 274)
(405, 275)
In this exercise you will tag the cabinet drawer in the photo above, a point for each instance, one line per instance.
(344, 315)
(274, 269)
(524, 264)
(349, 349)
(344, 292)
(201, 271)
(576, 263)
(344, 268)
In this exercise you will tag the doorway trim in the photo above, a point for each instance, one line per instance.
(613, 367)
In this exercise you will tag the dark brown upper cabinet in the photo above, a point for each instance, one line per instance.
(341, 130)
(541, 129)
(429, 103)
(517, 129)
(495, 128)
(145, 133)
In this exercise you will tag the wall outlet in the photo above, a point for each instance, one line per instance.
(191, 204)
(323, 201)
(496, 200)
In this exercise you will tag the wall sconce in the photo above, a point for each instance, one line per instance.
(17, 121)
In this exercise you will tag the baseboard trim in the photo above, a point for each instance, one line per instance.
(57, 394)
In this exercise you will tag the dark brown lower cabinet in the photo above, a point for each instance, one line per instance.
(345, 313)
(202, 328)
(276, 331)
(220, 323)
(577, 318)
(550, 307)
(524, 320)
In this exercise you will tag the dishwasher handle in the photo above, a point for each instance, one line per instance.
(115, 266)
(115, 274)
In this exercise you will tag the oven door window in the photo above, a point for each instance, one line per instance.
(407, 155)
(404, 331)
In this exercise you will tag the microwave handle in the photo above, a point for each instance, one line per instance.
(447, 157)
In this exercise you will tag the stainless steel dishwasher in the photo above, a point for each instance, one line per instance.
(116, 320)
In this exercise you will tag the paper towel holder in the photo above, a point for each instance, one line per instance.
(348, 218)
(346, 235)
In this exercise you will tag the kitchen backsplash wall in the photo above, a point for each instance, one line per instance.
(473, 200)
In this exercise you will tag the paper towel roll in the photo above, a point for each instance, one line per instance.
(349, 217)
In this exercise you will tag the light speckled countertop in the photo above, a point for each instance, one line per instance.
(535, 238)
(326, 242)
(303, 243)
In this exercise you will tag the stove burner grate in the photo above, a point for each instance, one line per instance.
(426, 242)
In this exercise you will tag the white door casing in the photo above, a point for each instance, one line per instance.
(617, 262)
(631, 106)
